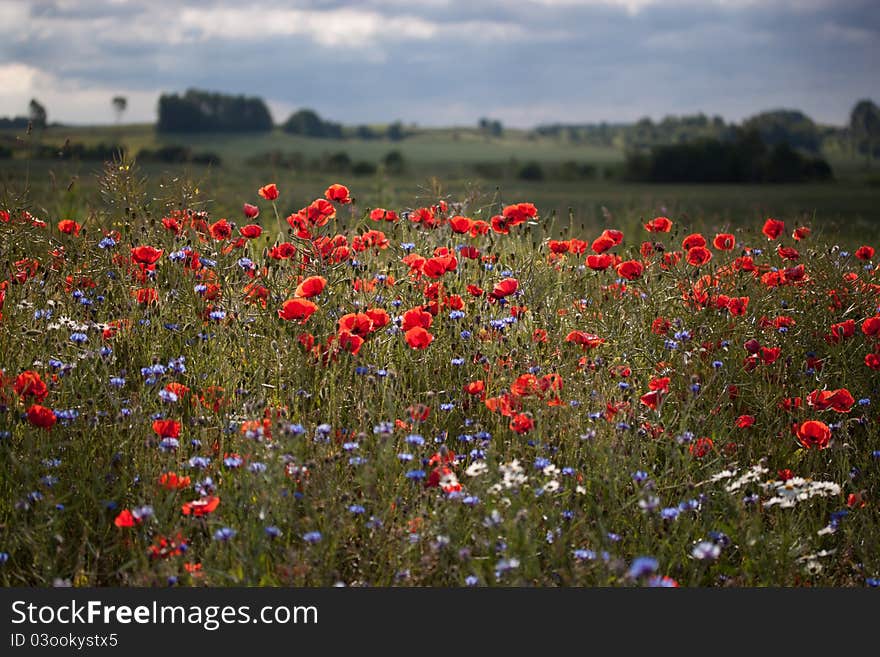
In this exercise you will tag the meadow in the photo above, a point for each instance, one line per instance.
(245, 376)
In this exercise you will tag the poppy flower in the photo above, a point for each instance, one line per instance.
(519, 213)
(146, 255)
(744, 421)
(701, 446)
(282, 251)
(737, 306)
(840, 400)
(800, 233)
(724, 242)
(250, 211)
(311, 287)
(601, 244)
(251, 231)
(29, 384)
(69, 227)
(338, 193)
(843, 330)
(630, 269)
(773, 228)
(146, 296)
(813, 434)
(586, 340)
(201, 507)
(659, 225)
(692, 241)
(381, 214)
(297, 309)
(504, 288)
(698, 256)
(651, 399)
(172, 481)
(350, 342)
(40, 416)
(460, 224)
(660, 326)
(126, 519)
(418, 338)
(599, 262)
(416, 318)
(356, 324)
(378, 316)
(220, 229)
(477, 387)
(865, 252)
(870, 326)
(788, 253)
(521, 423)
(167, 428)
(268, 192)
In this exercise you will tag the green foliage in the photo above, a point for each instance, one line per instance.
(307, 123)
(203, 111)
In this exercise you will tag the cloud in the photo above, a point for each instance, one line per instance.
(438, 61)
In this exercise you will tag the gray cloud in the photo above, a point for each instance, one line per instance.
(443, 61)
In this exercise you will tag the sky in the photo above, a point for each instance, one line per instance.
(445, 62)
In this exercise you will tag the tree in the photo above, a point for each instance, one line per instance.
(203, 111)
(120, 103)
(37, 113)
(864, 127)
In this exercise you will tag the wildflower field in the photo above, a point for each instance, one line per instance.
(444, 395)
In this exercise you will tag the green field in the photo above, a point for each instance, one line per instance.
(460, 164)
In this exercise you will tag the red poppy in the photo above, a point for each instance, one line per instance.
(744, 421)
(701, 446)
(268, 192)
(698, 256)
(167, 428)
(800, 233)
(865, 252)
(840, 400)
(356, 324)
(660, 326)
(586, 340)
(599, 262)
(69, 227)
(651, 399)
(870, 326)
(693, 240)
(724, 242)
(350, 342)
(416, 318)
(418, 338)
(220, 229)
(172, 481)
(338, 193)
(310, 287)
(251, 231)
(737, 306)
(297, 309)
(126, 519)
(475, 387)
(504, 288)
(250, 211)
(146, 255)
(659, 225)
(282, 251)
(146, 296)
(522, 423)
(460, 224)
(201, 507)
(381, 214)
(602, 243)
(842, 330)
(814, 434)
(630, 269)
(40, 416)
(29, 384)
(773, 228)
(788, 253)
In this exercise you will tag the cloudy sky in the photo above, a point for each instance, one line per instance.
(442, 62)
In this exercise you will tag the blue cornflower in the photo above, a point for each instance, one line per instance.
(415, 475)
(224, 534)
(312, 537)
(272, 531)
(79, 338)
(642, 566)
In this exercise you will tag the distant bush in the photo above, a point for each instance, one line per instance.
(307, 123)
(395, 163)
(530, 171)
(745, 159)
(77, 151)
(203, 111)
(364, 168)
(174, 154)
(18, 123)
(5, 152)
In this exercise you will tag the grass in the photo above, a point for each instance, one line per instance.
(323, 459)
